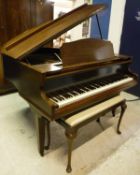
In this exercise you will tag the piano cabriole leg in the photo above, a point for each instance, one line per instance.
(40, 125)
(70, 134)
(123, 108)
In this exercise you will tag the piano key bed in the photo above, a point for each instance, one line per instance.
(75, 93)
(74, 122)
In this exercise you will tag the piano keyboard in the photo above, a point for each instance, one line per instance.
(75, 93)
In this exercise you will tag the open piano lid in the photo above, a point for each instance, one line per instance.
(33, 39)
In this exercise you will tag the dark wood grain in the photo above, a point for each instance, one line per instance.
(3, 29)
(17, 16)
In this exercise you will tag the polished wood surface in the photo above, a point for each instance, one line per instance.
(32, 41)
(77, 51)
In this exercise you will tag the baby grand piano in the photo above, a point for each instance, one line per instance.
(64, 81)
(68, 81)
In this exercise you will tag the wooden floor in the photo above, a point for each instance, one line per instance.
(98, 150)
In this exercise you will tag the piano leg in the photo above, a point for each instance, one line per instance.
(40, 128)
(123, 108)
(70, 134)
(48, 135)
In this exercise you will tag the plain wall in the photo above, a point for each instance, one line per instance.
(116, 23)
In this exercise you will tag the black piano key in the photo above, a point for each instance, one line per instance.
(62, 91)
(87, 89)
(86, 86)
(59, 97)
(63, 94)
(82, 88)
(74, 93)
(79, 90)
(56, 100)
(91, 87)
(56, 96)
(100, 83)
(105, 82)
(63, 98)
(73, 90)
(96, 85)
(70, 94)
(66, 93)
(83, 91)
